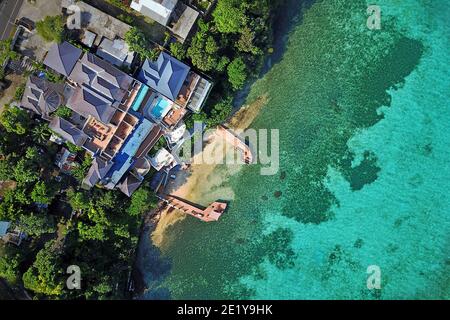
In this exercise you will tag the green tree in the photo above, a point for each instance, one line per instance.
(137, 42)
(36, 224)
(80, 172)
(142, 201)
(10, 208)
(51, 29)
(32, 153)
(178, 50)
(246, 42)
(228, 16)
(196, 117)
(9, 267)
(19, 92)
(91, 232)
(22, 195)
(222, 64)
(103, 288)
(220, 112)
(45, 276)
(125, 18)
(53, 76)
(25, 172)
(5, 170)
(203, 50)
(237, 73)
(42, 194)
(41, 133)
(15, 120)
(78, 200)
(64, 112)
(6, 52)
(203, 59)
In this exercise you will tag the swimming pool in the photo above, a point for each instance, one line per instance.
(139, 98)
(160, 108)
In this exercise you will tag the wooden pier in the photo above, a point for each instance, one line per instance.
(209, 214)
(237, 142)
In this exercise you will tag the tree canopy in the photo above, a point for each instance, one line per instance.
(237, 73)
(229, 16)
(142, 201)
(6, 52)
(36, 224)
(45, 276)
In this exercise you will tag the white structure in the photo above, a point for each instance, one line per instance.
(163, 158)
(4, 226)
(16, 236)
(158, 10)
(116, 52)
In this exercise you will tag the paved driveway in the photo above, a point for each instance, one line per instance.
(8, 13)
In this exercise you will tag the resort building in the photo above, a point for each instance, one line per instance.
(117, 119)
(174, 88)
(14, 236)
(173, 14)
(116, 51)
(66, 161)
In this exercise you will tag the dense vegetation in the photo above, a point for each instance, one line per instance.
(96, 230)
(138, 42)
(230, 47)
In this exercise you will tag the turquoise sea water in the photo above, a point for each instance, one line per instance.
(365, 173)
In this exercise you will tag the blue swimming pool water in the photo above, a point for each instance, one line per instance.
(160, 109)
(140, 97)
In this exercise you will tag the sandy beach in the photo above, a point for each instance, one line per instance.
(205, 183)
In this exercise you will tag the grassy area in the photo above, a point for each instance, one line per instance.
(116, 8)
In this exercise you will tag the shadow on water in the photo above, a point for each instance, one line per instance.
(289, 15)
(286, 18)
(150, 268)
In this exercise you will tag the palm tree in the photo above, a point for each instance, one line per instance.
(41, 133)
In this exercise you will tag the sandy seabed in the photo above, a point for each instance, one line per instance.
(203, 183)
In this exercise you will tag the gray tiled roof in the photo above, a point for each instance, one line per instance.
(88, 102)
(99, 169)
(101, 76)
(114, 51)
(165, 75)
(40, 97)
(68, 131)
(62, 57)
(129, 185)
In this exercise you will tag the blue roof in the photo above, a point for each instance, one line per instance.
(166, 75)
(4, 225)
(125, 158)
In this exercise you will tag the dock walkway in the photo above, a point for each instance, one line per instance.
(209, 214)
(237, 142)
